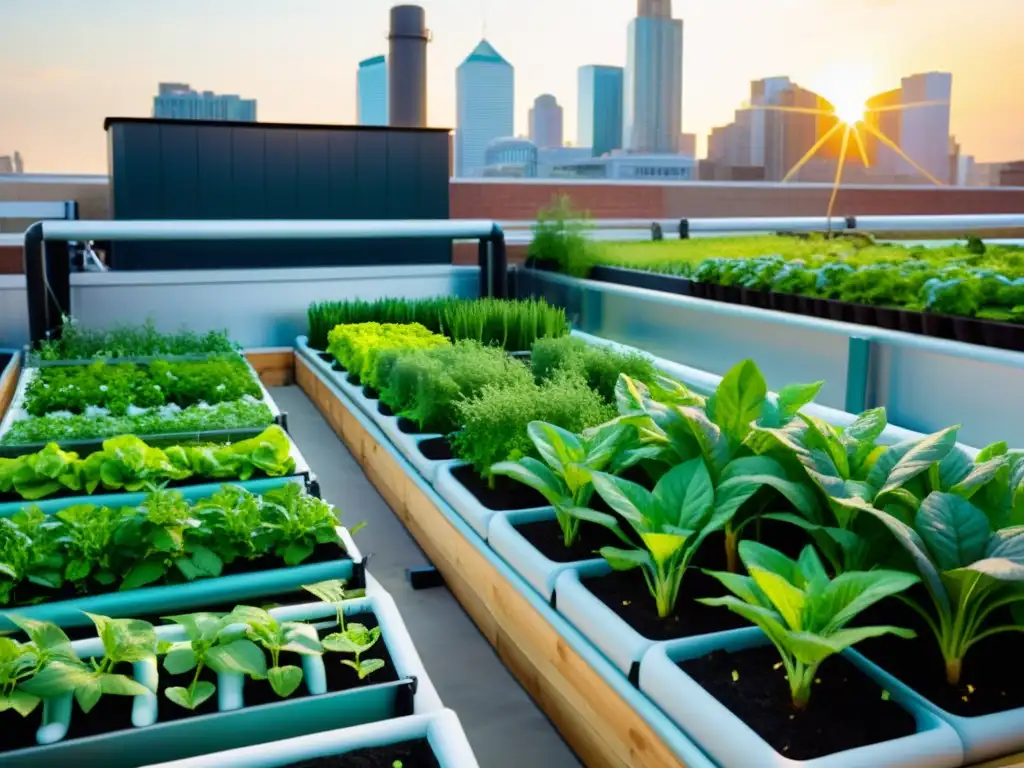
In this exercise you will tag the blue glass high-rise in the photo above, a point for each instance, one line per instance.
(653, 86)
(599, 119)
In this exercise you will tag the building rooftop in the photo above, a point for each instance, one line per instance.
(372, 61)
(485, 53)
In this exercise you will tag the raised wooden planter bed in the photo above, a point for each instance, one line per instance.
(567, 678)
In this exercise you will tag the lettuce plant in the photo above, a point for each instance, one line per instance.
(803, 612)
(969, 570)
(563, 476)
(299, 522)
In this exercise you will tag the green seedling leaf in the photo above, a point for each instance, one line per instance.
(191, 699)
(241, 656)
(365, 667)
(284, 680)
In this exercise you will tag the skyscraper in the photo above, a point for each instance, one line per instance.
(179, 102)
(924, 131)
(653, 92)
(372, 91)
(599, 116)
(546, 122)
(485, 104)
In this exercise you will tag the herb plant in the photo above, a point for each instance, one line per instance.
(75, 342)
(803, 612)
(558, 236)
(599, 366)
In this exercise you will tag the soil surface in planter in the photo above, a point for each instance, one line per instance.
(626, 593)
(28, 593)
(19, 732)
(846, 710)
(505, 495)
(436, 449)
(992, 680)
(546, 537)
(412, 754)
(340, 677)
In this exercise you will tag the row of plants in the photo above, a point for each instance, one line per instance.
(512, 325)
(248, 640)
(920, 520)
(89, 549)
(128, 463)
(75, 342)
(823, 537)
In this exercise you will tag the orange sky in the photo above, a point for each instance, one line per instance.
(67, 64)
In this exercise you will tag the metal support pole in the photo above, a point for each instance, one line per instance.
(858, 369)
(48, 283)
(499, 263)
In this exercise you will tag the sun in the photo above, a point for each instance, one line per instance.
(850, 108)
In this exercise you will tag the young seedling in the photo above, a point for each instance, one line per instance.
(208, 646)
(802, 611)
(334, 593)
(124, 641)
(357, 640)
(277, 636)
(564, 475)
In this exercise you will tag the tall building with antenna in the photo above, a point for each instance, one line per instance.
(653, 83)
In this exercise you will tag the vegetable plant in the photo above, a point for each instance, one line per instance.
(352, 637)
(357, 347)
(276, 636)
(599, 366)
(558, 236)
(76, 342)
(20, 662)
(563, 476)
(969, 569)
(802, 611)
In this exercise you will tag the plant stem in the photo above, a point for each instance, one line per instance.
(953, 669)
(195, 679)
(732, 559)
(801, 678)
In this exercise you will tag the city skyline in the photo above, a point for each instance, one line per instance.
(299, 64)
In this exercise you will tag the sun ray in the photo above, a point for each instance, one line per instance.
(839, 174)
(896, 148)
(798, 110)
(860, 146)
(913, 105)
(811, 152)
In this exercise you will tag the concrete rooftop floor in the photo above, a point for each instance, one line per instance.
(504, 726)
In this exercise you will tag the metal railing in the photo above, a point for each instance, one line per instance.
(520, 232)
(48, 268)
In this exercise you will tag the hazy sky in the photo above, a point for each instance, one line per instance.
(67, 64)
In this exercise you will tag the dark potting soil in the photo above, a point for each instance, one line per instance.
(19, 732)
(846, 710)
(505, 495)
(340, 677)
(410, 754)
(546, 536)
(28, 593)
(626, 593)
(436, 449)
(990, 680)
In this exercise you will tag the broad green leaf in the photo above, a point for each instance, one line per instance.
(365, 667)
(822, 436)
(738, 399)
(757, 555)
(915, 546)
(207, 561)
(600, 518)
(793, 397)
(555, 445)
(711, 439)
(122, 685)
(605, 444)
(629, 499)
(787, 599)
(1000, 568)
(340, 642)
(868, 426)
(284, 680)
(954, 530)
(742, 586)
(202, 691)
(536, 475)
(77, 570)
(685, 493)
(297, 552)
(47, 637)
(57, 678)
(302, 638)
(625, 559)
(663, 546)
(917, 459)
(180, 659)
(142, 574)
(242, 656)
(953, 468)
(767, 619)
(810, 648)
(991, 451)
(810, 565)
(853, 592)
(979, 475)
(22, 703)
(88, 694)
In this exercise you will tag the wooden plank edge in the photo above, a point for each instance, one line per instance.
(275, 367)
(9, 384)
(599, 725)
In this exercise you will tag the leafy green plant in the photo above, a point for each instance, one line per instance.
(21, 662)
(356, 639)
(277, 637)
(803, 612)
(558, 236)
(425, 386)
(208, 646)
(969, 570)
(334, 592)
(357, 347)
(246, 413)
(324, 316)
(564, 475)
(512, 325)
(74, 342)
(299, 523)
(495, 421)
(599, 366)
